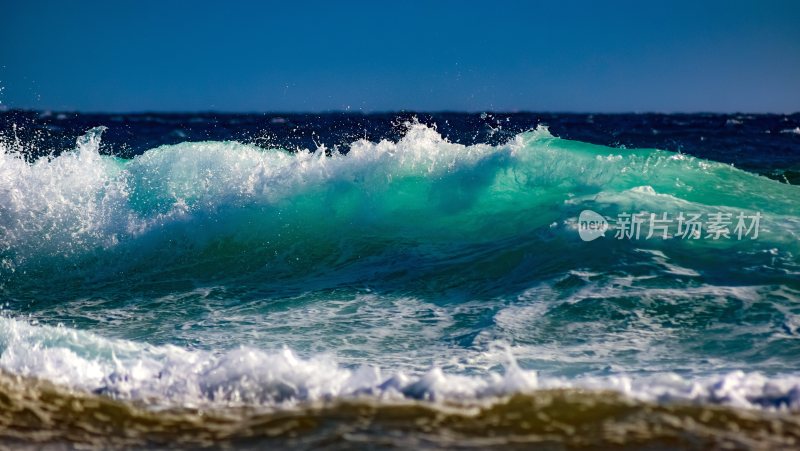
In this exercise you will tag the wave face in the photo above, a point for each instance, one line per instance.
(409, 274)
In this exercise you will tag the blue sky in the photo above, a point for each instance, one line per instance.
(594, 56)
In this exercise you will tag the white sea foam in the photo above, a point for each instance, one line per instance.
(170, 376)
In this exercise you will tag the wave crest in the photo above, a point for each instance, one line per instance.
(80, 202)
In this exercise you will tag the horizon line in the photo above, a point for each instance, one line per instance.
(386, 112)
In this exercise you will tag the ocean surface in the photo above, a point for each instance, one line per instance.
(399, 280)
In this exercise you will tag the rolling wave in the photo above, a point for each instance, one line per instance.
(442, 275)
(210, 208)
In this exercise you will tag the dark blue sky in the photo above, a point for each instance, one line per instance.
(375, 56)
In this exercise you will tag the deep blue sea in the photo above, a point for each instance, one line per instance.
(400, 280)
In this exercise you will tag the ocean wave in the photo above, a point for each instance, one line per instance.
(228, 199)
(170, 376)
(416, 261)
(63, 386)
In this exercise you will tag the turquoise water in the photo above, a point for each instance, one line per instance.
(221, 272)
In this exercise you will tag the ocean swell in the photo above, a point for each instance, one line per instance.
(211, 209)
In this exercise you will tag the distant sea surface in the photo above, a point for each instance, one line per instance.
(399, 280)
